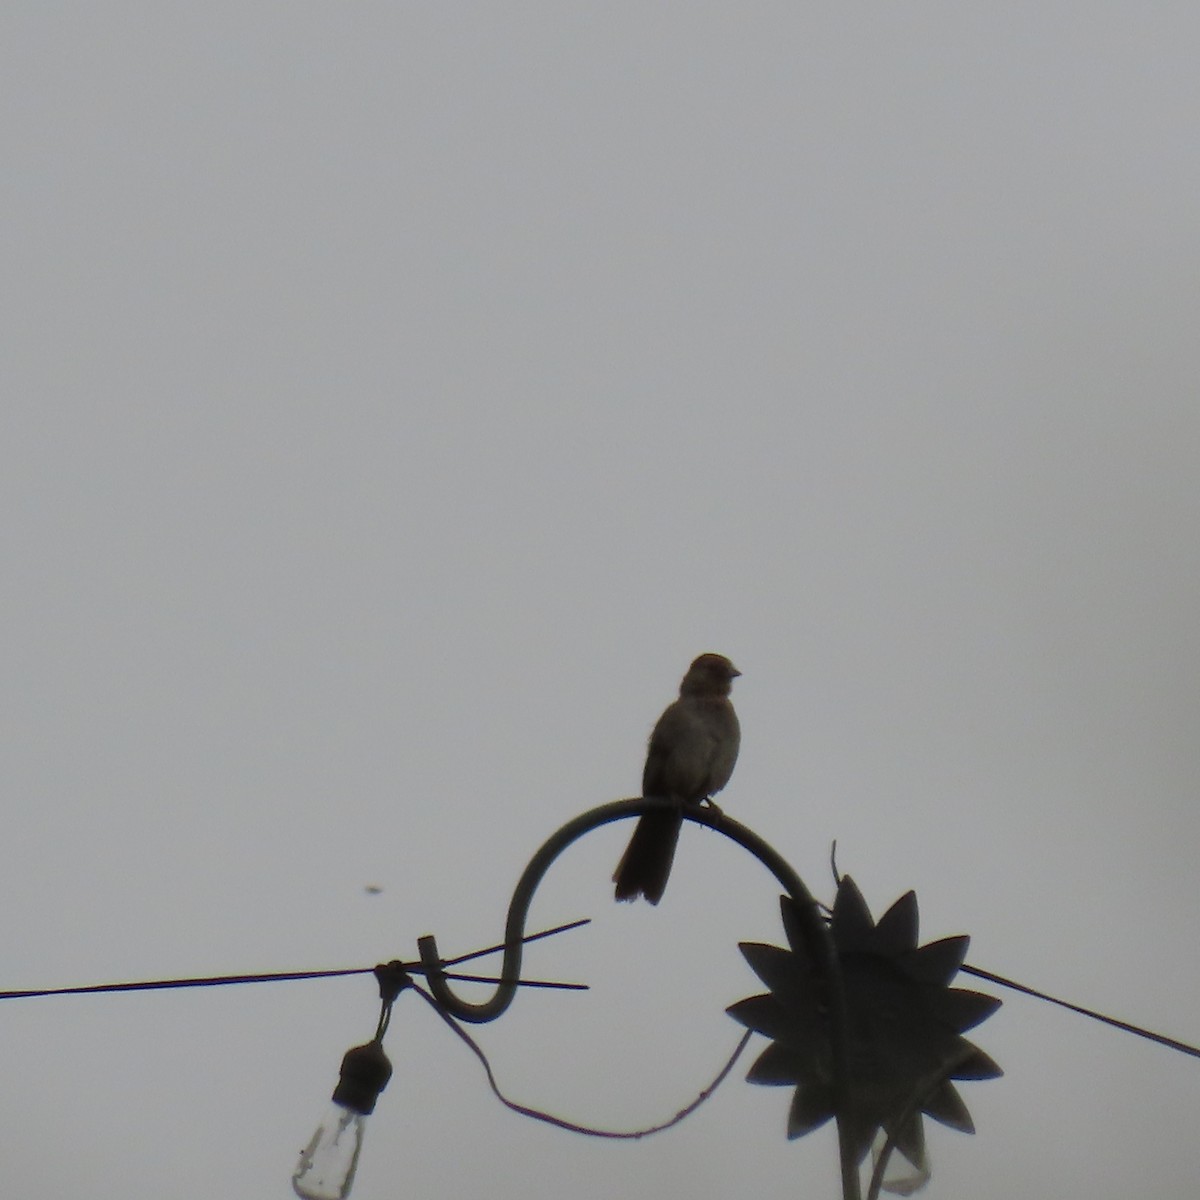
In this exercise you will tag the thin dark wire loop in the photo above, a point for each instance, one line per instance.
(817, 931)
(560, 1122)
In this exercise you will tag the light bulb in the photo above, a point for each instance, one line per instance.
(327, 1164)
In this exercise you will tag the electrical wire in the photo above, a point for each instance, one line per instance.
(1148, 1034)
(152, 985)
(561, 1122)
(416, 968)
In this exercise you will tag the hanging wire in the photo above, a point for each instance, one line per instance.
(560, 1122)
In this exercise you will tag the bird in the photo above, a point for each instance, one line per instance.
(689, 759)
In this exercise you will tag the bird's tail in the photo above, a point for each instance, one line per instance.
(646, 864)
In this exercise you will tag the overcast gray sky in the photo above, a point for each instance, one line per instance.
(397, 397)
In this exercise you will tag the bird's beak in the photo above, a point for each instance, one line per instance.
(733, 671)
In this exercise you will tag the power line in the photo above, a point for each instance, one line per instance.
(153, 985)
(416, 968)
(1160, 1038)
(157, 985)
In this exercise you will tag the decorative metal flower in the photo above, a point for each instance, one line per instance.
(905, 1025)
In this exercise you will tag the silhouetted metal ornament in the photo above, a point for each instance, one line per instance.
(905, 1025)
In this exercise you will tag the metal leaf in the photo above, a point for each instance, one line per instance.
(765, 1015)
(937, 962)
(811, 1107)
(945, 1105)
(780, 1064)
(779, 969)
(851, 925)
(896, 930)
(976, 1065)
(962, 1009)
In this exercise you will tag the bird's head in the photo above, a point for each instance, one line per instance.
(709, 675)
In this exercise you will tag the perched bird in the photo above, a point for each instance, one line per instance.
(690, 758)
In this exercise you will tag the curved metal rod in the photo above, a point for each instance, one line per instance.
(818, 936)
(518, 912)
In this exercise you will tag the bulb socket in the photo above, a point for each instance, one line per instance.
(365, 1073)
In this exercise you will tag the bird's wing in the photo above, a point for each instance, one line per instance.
(680, 755)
